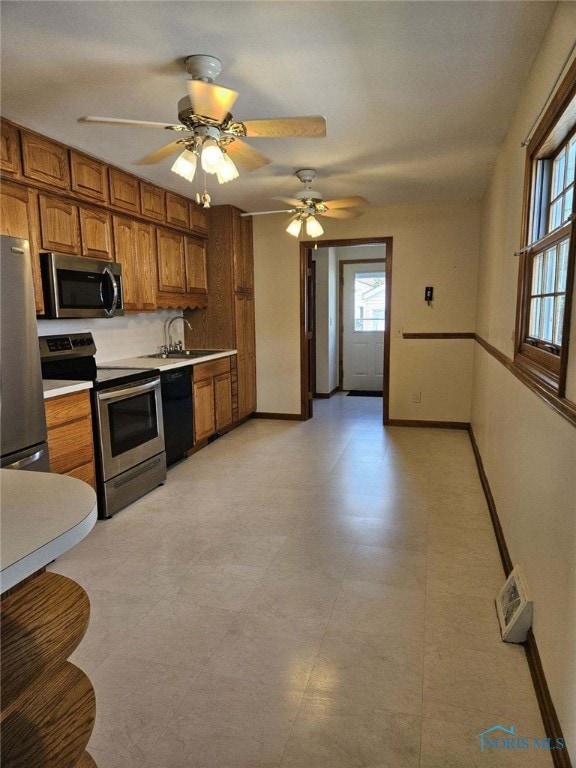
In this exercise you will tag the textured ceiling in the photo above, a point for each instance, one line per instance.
(417, 95)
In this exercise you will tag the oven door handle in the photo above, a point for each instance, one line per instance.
(119, 394)
(109, 312)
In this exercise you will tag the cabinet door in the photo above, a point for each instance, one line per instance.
(146, 267)
(59, 225)
(45, 160)
(204, 420)
(177, 210)
(242, 250)
(196, 266)
(10, 154)
(223, 400)
(124, 191)
(88, 177)
(198, 219)
(95, 234)
(125, 250)
(19, 218)
(171, 264)
(152, 202)
(245, 344)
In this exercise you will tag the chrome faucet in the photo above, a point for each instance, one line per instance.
(171, 346)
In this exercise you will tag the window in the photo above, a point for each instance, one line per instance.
(369, 301)
(547, 261)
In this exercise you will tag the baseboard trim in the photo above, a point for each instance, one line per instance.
(429, 424)
(498, 532)
(552, 727)
(281, 416)
(325, 395)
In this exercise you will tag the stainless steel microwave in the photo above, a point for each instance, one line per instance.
(74, 286)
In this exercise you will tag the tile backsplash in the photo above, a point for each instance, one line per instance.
(119, 337)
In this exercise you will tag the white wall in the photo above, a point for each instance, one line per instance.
(433, 244)
(529, 452)
(119, 337)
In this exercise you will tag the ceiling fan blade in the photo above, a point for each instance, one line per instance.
(341, 213)
(121, 121)
(290, 200)
(346, 202)
(247, 157)
(264, 213)
(161, 153)
(211, 100)
(306, 127)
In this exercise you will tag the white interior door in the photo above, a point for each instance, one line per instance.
(363, 312)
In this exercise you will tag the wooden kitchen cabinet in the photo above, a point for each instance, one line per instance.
(45, 160)
(198, 218)
(195, 252)
(69, 422)
(181, 266)
(124, 190)
(88, 177)
(212, 398)
(228, 321)
(19, 218)
(135, 248)
(59, 225)
(177, 210)
(171, 262)
(152, 201)
(10, 149)
(96, 233)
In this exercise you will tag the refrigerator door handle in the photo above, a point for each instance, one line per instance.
(25, 462)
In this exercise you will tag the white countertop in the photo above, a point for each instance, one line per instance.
(165, 363)
(43, 515)
(53, 388)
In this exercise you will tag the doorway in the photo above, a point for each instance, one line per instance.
(362, 308)
(308, 326)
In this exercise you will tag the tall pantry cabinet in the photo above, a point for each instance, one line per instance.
(228, 320)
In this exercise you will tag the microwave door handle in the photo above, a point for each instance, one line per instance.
(108, 273)
(120, 394)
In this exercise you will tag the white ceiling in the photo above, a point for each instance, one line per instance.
(417, 95)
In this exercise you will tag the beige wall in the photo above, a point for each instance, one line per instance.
(528, 451)
(434, 244)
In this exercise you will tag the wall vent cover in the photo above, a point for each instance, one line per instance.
(514, 608)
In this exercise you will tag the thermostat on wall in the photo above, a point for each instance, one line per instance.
(514, 608)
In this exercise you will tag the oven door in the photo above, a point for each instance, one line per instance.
(131, 427)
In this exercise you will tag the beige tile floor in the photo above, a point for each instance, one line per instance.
(304, 595)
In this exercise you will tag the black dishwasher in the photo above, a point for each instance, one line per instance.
(178, 412)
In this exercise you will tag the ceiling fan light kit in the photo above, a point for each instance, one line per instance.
(216, 139)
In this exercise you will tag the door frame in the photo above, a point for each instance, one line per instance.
(341, 309)
(306, 247)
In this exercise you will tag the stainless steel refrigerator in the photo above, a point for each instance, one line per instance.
(22, 417)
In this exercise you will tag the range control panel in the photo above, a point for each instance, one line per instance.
(67, 345)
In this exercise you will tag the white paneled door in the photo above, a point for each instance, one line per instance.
(363, 313)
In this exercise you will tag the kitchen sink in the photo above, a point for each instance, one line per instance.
(184, 353)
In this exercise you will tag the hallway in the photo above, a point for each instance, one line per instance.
(305, 595)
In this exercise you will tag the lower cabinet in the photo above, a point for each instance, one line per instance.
(212, 398)
(69, 422)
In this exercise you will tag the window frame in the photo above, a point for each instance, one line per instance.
(547, 363)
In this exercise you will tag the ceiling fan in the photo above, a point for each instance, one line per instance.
(308, 204)
(212, 134)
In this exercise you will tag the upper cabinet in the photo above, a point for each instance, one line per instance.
(88, 177)
(195, 253)
(59, 225)
(243, 253)
(45, 161)
(135, 247)
(96, 233)
(181, 270)
(152, 201)
(198, 219)
(177, 210)
(124, 191)
(171, 263)
(10, 154)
